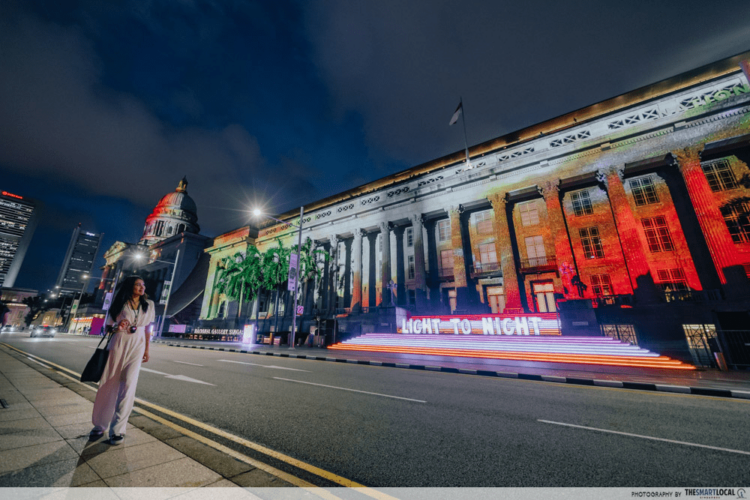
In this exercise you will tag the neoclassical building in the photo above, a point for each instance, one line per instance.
(628, 217)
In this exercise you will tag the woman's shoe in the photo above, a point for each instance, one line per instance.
(117, 439)
(95, 434)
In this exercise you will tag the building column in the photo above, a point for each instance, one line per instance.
(356, 303)
(433, 279)
(385, 265)
(459, 259)
(372, 291)
(550, 191)
(715, 231)
(504, 245)
(629, 229)
(333, 274)
(420, 278)
(400, 274)
(348, 273)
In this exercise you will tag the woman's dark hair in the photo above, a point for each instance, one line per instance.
(123, 294)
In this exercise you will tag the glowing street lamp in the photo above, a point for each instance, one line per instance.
(293, 264)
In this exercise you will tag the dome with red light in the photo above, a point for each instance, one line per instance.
(175, 213)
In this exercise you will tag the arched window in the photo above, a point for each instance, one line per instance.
(169, 230)
(181, 228)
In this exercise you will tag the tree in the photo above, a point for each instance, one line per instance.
(35, 305)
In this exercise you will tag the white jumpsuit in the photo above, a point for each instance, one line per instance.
(116, 394)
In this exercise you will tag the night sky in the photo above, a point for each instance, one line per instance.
(105, 105)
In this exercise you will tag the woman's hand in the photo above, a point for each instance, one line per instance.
(145, 356)
(123, 325)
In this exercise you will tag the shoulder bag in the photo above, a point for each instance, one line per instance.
(95, 367)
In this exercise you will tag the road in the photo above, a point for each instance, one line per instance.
(407, 428)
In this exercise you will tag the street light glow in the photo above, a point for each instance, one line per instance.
(257, 212)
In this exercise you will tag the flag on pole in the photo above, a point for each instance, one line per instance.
(460, 108)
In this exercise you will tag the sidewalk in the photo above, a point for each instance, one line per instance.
(44, 427)
(706, 382)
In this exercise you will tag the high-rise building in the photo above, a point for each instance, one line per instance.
(79, 259)
(18, 218)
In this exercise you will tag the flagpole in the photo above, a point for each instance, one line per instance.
(463, 122)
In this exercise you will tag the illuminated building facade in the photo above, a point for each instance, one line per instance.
(629, 218)
(79, 260)
(18, 219)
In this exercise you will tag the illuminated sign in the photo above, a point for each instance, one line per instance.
(5, 193)
(490, 324)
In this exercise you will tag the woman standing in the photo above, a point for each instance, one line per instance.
(131, 312)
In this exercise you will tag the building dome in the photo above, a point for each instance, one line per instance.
(175, 213)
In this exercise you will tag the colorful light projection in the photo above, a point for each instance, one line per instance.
(489, 324)
(549, 349)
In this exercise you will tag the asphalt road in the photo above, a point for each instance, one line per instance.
(411, 428)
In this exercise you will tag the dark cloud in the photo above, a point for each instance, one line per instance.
(58, 120)
(403, 65)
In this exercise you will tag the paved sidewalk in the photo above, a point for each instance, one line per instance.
(44, 443)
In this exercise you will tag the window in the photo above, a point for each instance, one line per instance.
(719, 175)
(644, 191)
(529, 213)
(601, 285)
(592, 245)
(483, 222)
(409, 237)
(444, 230)
(411, 267)
(671, 280)
(737, 219)
(657, 235)
(535, 251)
(487, 258)
(446, 260)
(582, 203)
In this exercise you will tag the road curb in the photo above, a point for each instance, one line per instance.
(616, 384)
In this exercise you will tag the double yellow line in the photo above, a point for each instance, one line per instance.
(317, 471)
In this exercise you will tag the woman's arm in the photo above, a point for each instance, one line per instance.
(148, 343)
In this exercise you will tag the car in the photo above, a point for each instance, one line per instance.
(43, 331)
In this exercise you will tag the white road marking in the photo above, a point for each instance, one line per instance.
(350, 390)
(188, 379)
(646, 437)
(152, 371)
(186, 363)
(264, 366)
(176, 377)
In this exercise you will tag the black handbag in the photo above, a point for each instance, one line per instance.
(95, 367)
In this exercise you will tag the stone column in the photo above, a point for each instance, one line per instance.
(459, 260)
(385, 266)
(354, 270)
(400, 274)
(629, 230)
(333, 274)
(433, 280)
(715, 231)
(459, 265)
(550, 191)
(504, 246)
(372, 240)
(420, 277)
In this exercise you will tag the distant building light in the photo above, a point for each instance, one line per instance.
(5, 193)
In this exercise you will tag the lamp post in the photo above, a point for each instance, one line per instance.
(139, 256)
(293, 266)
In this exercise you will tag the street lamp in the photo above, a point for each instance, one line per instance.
(293, 265)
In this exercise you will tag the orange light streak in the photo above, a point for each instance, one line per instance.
(658, 362)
